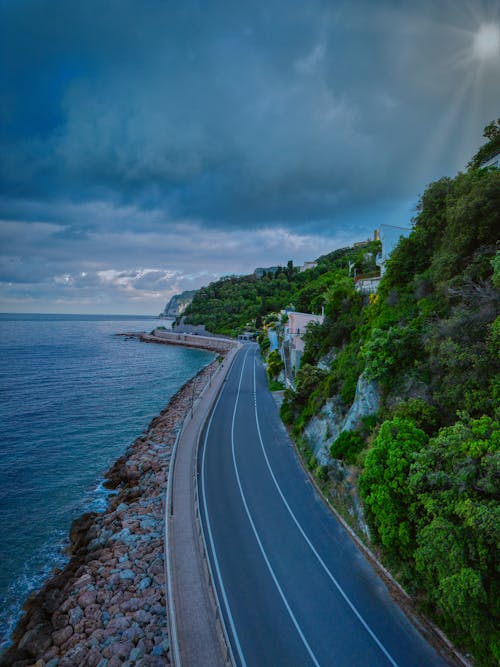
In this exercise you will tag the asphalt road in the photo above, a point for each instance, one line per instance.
(294, 588)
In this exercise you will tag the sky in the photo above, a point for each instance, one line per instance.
(150, 146)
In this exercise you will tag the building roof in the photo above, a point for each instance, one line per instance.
(297, 322)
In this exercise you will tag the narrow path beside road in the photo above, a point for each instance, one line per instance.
(196, 637)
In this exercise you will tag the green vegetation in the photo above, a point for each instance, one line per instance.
(428, 463)
(274, 385)
(231, 304)
(347, 446)
(274, 365)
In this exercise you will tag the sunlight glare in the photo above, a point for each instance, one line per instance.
(487, 42)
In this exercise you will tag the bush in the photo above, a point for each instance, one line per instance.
(307, 380)
(274, 364)
(347, 446)
(274, 385)
(286, 412)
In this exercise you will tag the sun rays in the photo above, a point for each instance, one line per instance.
(469, 68)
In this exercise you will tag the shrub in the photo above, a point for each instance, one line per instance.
(347, 446)
(286, 412)
(274, 364)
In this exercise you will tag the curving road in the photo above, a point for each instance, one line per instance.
(294, 588)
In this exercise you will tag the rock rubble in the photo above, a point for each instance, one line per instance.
(107, 607)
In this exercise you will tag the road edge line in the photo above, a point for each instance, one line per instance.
(168, 513)
(205, 427)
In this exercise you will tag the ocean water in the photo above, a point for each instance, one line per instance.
(73, 396)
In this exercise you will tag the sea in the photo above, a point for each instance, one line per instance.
(73, 396)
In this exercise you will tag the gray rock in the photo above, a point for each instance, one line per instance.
(96, 543)
(325, 427)
(87, 598)
(75, 615)
(127, 574)
(61, 636)
(126, 537)
(149, 523)
(366, 402)
(131, 605)
(120, 650)
(37, 640)
(158, 609)
(94, 657)
(144, 583)
(136, 653)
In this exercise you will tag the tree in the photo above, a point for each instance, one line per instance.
(456, 480)
(384, 484)
(347, 446)
(492, 130)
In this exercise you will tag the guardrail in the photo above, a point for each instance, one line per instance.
(169, 512)
(219, 617)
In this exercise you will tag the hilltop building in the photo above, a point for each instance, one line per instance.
(308, 265)
(389, 236)
(367, 283)
(493, 161)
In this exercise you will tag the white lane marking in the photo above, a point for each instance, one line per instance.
(322, 562)
(264, 555)
(210, 536)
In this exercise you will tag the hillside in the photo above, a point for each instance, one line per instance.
(232, 304)
(425, 458)
(395, 407)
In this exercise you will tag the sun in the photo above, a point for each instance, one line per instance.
(470, 65)
(486, 42)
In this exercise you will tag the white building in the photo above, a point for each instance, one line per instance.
(492, 162)
(367, 284)
(389, 236)
(308, 265)
(293, 342)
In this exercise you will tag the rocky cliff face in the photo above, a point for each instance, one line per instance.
(321, 432)
(326, 427)
(178, 304)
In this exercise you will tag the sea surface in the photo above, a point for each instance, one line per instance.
(73, 396)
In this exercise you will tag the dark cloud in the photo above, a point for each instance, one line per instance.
(129, 120)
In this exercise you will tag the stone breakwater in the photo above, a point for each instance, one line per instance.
(107, 607)
(212, 344)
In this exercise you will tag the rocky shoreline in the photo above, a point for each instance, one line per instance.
(107, 607)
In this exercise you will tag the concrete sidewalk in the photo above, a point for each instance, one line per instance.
(196, 638)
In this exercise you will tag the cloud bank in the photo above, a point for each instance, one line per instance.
(149, 146)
